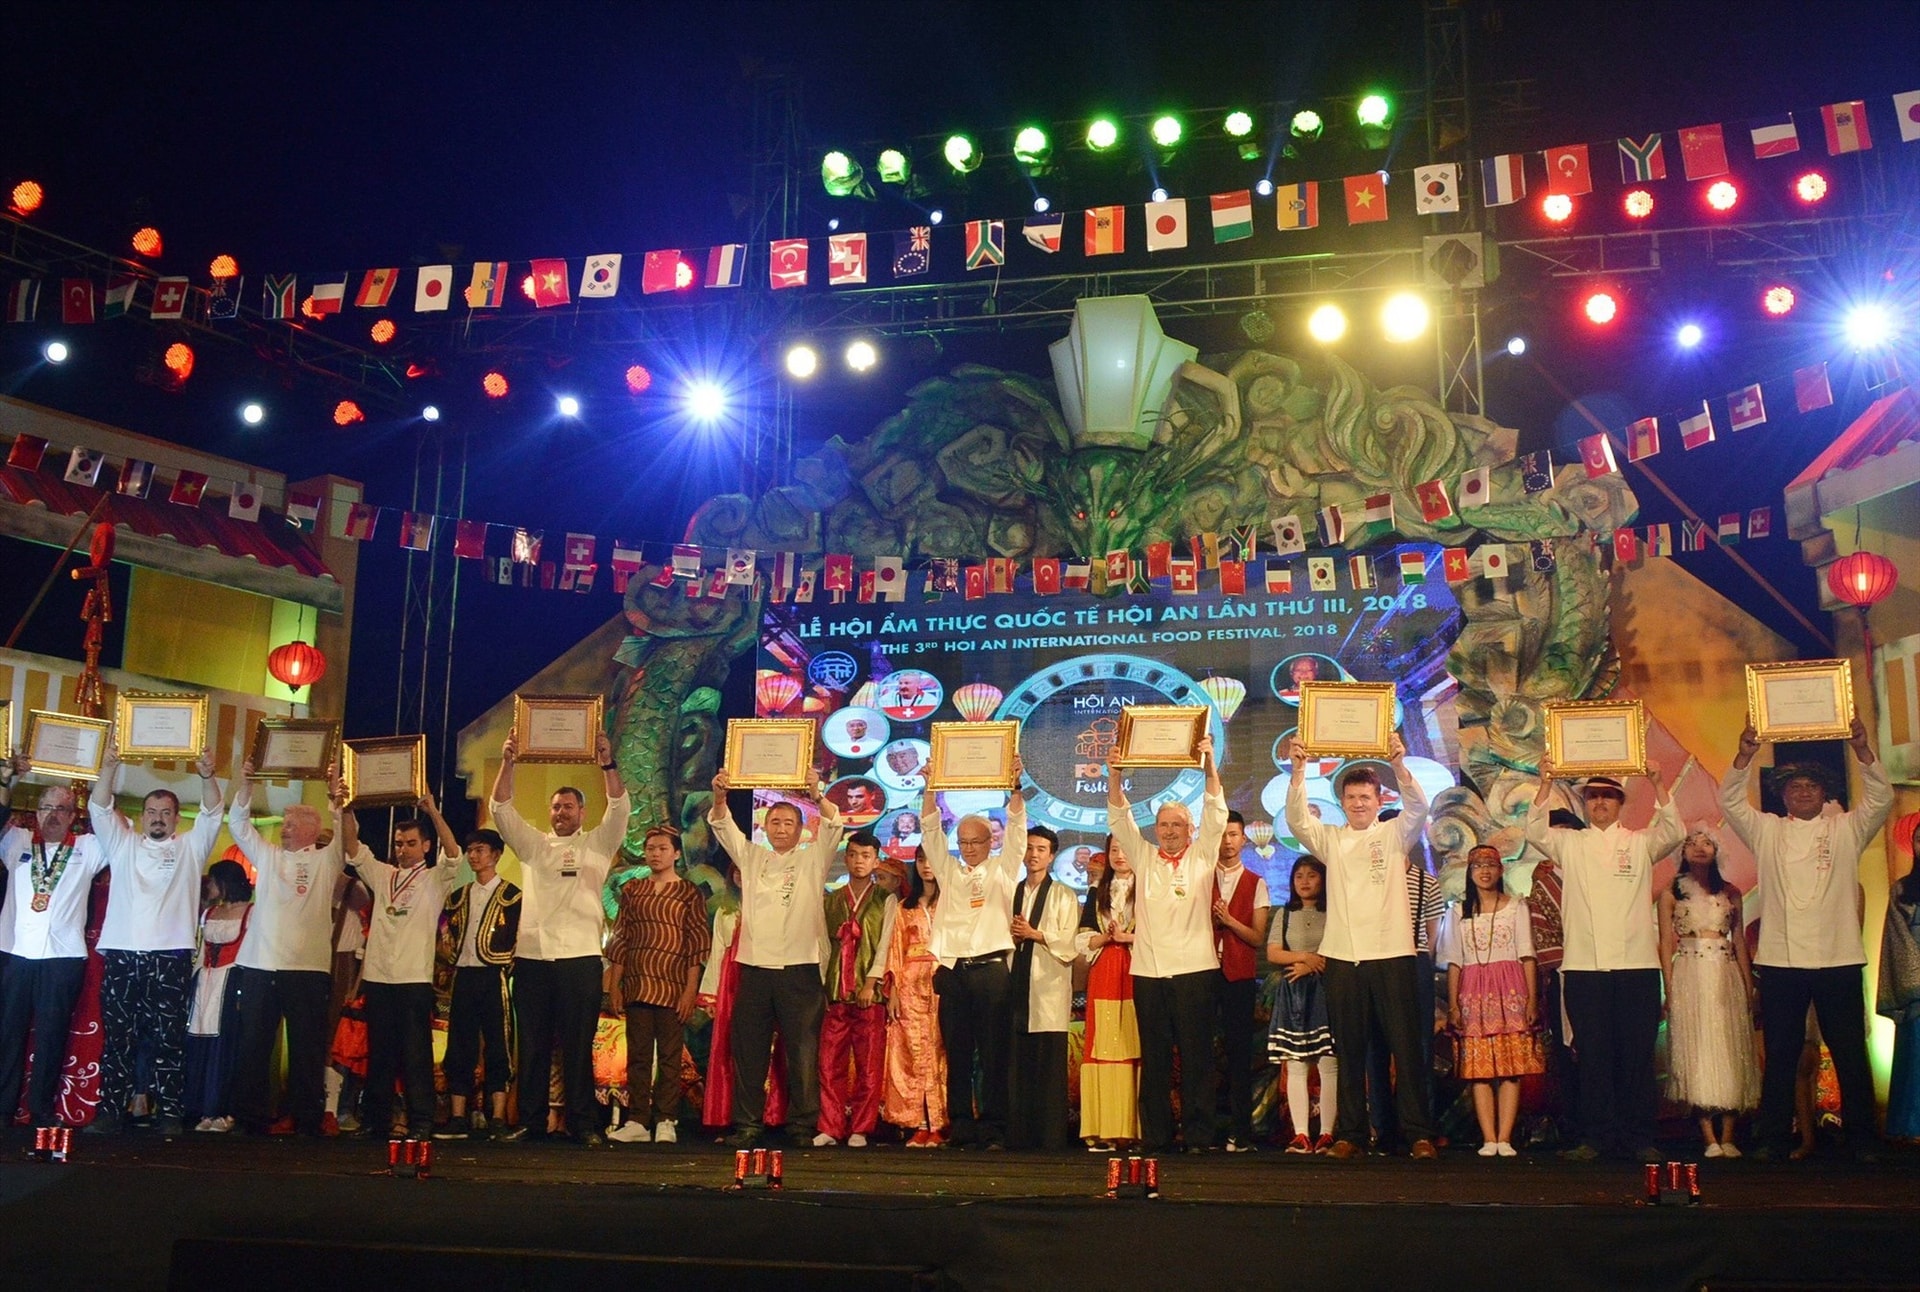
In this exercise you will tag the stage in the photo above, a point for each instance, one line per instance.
(301, 1213)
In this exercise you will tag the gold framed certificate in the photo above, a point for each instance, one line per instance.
(64, 744)
(385, 771)
(1160, 735)
(973, 755)
(1597, 738)
(6, 728)
(294, 749)
(161, 725)
(770, 753)
(1803, 700)
(1348, 719)
(558, 728)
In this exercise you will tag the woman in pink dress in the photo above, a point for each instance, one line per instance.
(914, 1095)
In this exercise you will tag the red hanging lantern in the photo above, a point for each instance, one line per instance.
(297, 664)
(1863, 578)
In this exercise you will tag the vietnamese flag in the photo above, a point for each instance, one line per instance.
(1456, 565)
(187, 488)
(550, 283)
(1366, 198)
(1435, 506)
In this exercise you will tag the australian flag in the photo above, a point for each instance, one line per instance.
(913, 251)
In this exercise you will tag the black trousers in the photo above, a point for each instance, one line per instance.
(269, 997)
(144, 1001)
(1364, 995)
(477, 1029)
(1838, 1004)
(1177, 1011)
(795, 998)
(1382, 1112)
(557, 1002)
(36, 996)
(399, 1044)
(1616, 1015)
(975, 1021)
(1236, 1031)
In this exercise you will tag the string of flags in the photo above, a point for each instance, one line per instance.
(859, 257)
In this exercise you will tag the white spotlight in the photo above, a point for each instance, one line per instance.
(936, 215)
(55, 351)
(1041, 204)
(1516, 346)
(705, 401)
(431, 413)
(802, 361)
(861, 356)
(1159, 194)
(833, 224)
(1688, 336)
(1264, 188)
(568, 406)
(1327, 324)
(252, 414)
(1404, 317)
(1868, 327)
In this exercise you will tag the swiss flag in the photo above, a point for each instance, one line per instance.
(169, 298)
(1186, 576)
(1435, 506)
(579, 551)
(76, 300)
(1046, 575)
(1366, 198)
(550, 284)
(664, 271)
(1457, 567)
(1119, 567)
(1567, 170)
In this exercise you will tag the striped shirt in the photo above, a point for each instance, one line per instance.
(659, 936)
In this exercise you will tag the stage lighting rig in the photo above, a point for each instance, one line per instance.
(962, 154)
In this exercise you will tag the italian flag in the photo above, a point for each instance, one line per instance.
(1232, 216)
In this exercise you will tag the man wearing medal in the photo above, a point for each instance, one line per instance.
(148, 939)
(397, 972)
(43, 932)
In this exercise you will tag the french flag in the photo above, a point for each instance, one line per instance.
(727, 265)
(1503, 181)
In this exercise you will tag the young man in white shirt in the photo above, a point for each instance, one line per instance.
(147, 940)
(43, 931)
(1810, 944)
(972, 934)
(1046, 916)
(1241, 909)
(1176, 970)
(1610, 966)
(397, 973)
(1369, 944)
(783, 938)
(285, 965)
(479, 927)
(556, 980)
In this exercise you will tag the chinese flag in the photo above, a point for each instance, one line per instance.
(1046, 575)
(1233, 578)
(1457, 567)
(470, 539)
(550, 283)
(1366, 199)
(1435, 506)
(1159, 559)
(1703, 152)
(660, 272)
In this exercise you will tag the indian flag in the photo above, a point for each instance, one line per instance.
(1413, 568)
(1232, 216)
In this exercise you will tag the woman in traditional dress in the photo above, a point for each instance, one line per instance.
(212, 1038)
(1493, 1002)
(1110, 1068)
(1711, 1064)
(1899, 992)
(914, 1094)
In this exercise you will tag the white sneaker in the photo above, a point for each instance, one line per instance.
(629, 1133)
(1714, 1150)
(824, 1140)
(1729, 1150)
(856, 1140)
(1505, 1149)
(665, 1133)
(1489, 1149)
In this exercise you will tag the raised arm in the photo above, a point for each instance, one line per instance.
(609, 769)
(503, 781)
(513, 827)
(607, 836)
(107, 821)
(1540, 833)
(1302, 823)
(1120, 823)
(449, 843)
(1413, 799)
(1866, 817)
(346, 823)
(1735, 803)
(240, 819)
(933, 838)
(1012, 857)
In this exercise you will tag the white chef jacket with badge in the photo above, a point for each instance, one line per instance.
(1606, 887)
(783, 920)
(1173, 900)
(1369, 902)
(154, 902)
(560, 881)
(60, 931)
(405, 927)
(975, 913)
(291, 929)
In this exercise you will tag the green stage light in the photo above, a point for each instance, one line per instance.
(1374, 111)
(1102, 135)
(1239, 125)
(1307, 124)
(961, 154)
(841, 174)
(1166, 131)
(894, 167)
(1031, 147)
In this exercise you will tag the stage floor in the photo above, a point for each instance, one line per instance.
(966, 1220)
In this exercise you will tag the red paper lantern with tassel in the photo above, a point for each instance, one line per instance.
(297, 664)
(1863, 578)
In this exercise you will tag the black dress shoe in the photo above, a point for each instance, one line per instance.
(745, 1137)
(521, 1135)
(105, 1123)
(592, 1139)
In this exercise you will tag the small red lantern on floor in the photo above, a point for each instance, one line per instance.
(1863, 578)
(297, 664)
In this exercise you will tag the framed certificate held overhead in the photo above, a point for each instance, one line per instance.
(770, 753)
(1597, 738)
(1347, 719)
(6, 729)
(385, 771)
(294, 749)
(973, 755)
(1160, 735)
(160, 725)
(558, 728)
(62, 744)
(1804, 700)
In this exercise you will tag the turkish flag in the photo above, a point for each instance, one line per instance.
(76, 300)
(1366, 199)
(976, 582)
(1046, 575)
(787, 263)
(1626, 546)
(1567, 170)
(550, 283)
(1596, 454)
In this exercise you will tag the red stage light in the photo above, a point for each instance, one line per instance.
(147, 241)
(639, 380)
(382, 331)
(310, 308)
(224, 267)
(1601, 307)
(495, 383)
(526, 288)
(346, 413)
(1639, 204)
(27, 197)
(1557, 207)
(1810, 187)
(1722, 195)
(1778, 300)
(179, 360)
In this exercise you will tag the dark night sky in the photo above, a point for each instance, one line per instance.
(303, 136)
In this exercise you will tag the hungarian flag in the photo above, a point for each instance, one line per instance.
(1043, 232)
(1567, 170)
(329, 296)
(1413, 568)
(727, 265)
(1435, 505)
(1503, 179)
(1697, 430)
(1642, 160)
(1846, 126)
(1232, 215)
(664, 271)
(1436, 189)
(1703, 152)
(986, 243)
(363, 518)
(243, 503)
(1455, 565)
(169, 298)
(1729, 528)
(1775, 136)
(1233, 578)
(1643, 439)
(1167, 224)
(1626, 545)
(1745, 408)
(787, 263)
(1371, 517)
(1320, 576)
(1297, 206)
(1596, 455)
(487, 289)
(432, 289)
(1366, 198)
(1159, 559)
(1046, 575)
(277, 293)
(1186, 577)
(1106, 232)
(1476, 487)
(303, 510)
(187, 488)
(470, 539)
(1810, 388)
(376, 288)
(846, 259)
(1279, 579)
(1760, 522)
(1289, 535)
(76, 300)
(26, 453)
(119, 296)
(600, 276)
(550, 286)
